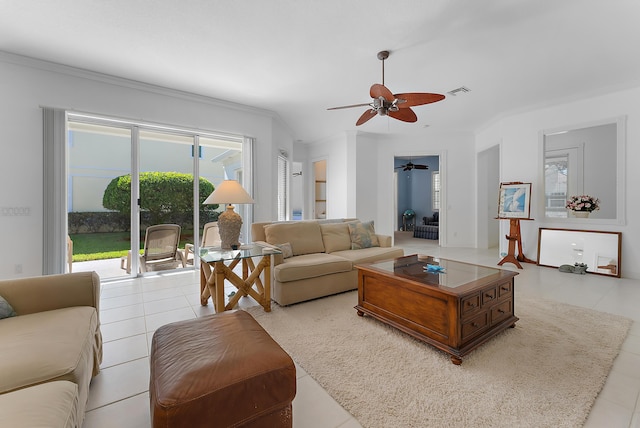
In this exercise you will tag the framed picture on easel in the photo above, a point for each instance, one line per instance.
(514, 200)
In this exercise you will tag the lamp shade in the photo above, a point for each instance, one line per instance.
(229, 192)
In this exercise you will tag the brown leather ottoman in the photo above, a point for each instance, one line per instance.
(221, 370)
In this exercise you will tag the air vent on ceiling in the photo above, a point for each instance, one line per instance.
(461, 89)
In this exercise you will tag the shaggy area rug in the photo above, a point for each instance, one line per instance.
(545, 372)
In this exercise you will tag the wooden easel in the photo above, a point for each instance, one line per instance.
(514, 237)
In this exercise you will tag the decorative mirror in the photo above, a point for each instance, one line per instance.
(585, 160)
(600, 251)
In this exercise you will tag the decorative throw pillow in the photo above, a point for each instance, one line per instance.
(286, 249)
(6, 311)
(360, 235)
(372, 233)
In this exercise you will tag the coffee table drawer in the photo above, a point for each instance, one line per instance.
(474, 325)
(489, 296)
(501, 311)
(470, 305)
(505, 289)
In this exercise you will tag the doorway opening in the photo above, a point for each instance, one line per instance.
(320, 189)
(418, 198)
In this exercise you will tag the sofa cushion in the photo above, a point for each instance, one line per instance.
(51, 404)
(362, 235)
(370, 255)
(50, 345)
(335, 237)
(310, 266)
(305, 236)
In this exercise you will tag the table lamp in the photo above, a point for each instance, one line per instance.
(229, 223)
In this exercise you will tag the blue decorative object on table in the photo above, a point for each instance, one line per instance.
(434, 269)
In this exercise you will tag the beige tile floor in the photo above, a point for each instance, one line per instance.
(132, 309)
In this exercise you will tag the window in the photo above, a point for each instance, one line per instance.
(283, 186)
(435, 190)
(555, 177)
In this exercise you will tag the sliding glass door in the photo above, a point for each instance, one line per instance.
(124, 177)
(99, 237)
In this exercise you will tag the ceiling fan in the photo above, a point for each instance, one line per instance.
(410, 165)
(385, 103)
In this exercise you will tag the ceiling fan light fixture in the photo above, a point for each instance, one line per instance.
(386, 103)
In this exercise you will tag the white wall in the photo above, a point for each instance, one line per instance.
(521, 160)
(26, 85)
(335, 151)
(360, 178)
(457, 172)
(488, 167)
(366, 180)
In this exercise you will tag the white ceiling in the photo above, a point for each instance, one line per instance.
(299, 57)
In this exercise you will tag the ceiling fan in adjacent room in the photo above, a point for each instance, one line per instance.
(410, 165)
(397, 106)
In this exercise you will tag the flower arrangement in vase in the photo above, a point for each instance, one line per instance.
(582, 205)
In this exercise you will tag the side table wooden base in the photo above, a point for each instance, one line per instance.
(212, 283)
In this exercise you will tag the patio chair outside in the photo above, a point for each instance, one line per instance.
(160, 249)
(70, 253)
(210, 238)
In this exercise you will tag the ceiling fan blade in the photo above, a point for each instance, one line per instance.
(366, 116)
(377, 90)
(421, 167)
(416, 99)
(404, 114)
(351, 106)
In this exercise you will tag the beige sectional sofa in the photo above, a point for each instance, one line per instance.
(322, 256)
(49, 350)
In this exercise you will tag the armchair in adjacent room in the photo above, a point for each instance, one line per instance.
(429, 229)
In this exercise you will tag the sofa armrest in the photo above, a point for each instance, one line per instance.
(384, 240)
(45, 293)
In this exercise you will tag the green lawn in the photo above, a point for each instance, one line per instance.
(100, 246)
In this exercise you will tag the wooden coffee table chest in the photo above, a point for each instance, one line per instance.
(456, 310)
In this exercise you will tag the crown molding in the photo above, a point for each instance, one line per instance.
(55, 67)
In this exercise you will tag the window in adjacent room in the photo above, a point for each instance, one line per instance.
(435, 190)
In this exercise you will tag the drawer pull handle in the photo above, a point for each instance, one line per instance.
(501, 311)
(475, 324)
(504, 288)
(488, 296)
(473, 305)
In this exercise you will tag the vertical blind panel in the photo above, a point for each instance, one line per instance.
(54, 191)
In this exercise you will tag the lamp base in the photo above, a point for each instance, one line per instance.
(229, 225)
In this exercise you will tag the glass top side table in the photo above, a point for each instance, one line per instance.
(217, 265)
